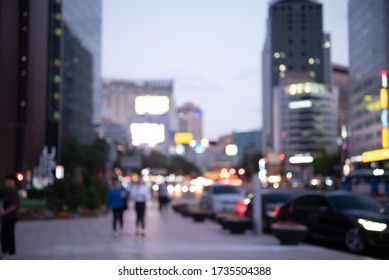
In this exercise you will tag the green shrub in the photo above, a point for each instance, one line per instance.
(92, 199)
(34, 193)
(65, 195)
(101, 188)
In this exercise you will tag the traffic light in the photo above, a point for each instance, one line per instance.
(289, 175)
(281, 157)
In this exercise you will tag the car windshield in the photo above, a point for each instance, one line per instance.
(276, 197)
(225, 190)
(351, 202)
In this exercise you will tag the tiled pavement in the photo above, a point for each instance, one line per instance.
(169, 236)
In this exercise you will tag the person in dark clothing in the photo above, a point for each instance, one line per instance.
(117, 201)
(9, 216)
(163, 197)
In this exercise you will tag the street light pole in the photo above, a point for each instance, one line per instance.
(257, 205)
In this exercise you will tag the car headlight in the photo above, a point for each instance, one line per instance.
(372, 226)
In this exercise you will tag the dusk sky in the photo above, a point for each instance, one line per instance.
(210, 48)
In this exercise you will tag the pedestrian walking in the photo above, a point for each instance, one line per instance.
(163, 196)
(140, 194)
(9, 216)
(117, 202)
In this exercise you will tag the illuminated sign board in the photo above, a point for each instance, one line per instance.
(152, 105)
(300, 104)
(376, 155)
(300, 88)
(183, 138)
(384, 106)
(384, 78)
(300, 158)
(384, 98)
(147, 133)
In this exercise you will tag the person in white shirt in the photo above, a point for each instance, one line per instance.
(140, 193)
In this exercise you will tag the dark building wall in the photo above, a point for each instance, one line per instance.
(37, 81)
(23, 82)
(9, 27)
(297, 35)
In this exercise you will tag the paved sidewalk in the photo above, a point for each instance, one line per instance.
(169, 236)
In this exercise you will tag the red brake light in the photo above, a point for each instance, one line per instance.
(240, 208)
(276, 211)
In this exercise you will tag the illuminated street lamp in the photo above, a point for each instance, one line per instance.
(231, 150)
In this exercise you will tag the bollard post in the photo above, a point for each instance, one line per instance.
(257, 205)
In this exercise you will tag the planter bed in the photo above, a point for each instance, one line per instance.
(198, 215)
(236, 224)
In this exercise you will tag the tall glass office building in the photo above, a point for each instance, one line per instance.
(295, 43)
(81, 68)
(368, 44)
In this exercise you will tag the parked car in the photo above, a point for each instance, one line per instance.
(356, 220)
(219, 198)
(272, 200)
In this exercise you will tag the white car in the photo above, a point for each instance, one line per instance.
(218, 199)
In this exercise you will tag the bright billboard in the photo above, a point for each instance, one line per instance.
(147, 133)
(151, 105)
(183, 138)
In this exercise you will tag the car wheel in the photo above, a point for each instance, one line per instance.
(354, 241)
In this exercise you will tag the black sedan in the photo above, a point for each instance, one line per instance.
(272, 200)
(358, 221)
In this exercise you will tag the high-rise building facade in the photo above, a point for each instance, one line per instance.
(295, 43)
(368, 47)
(190, 119)
(47, 71)
(145, 109)
(247, 142)
(29, 81)
(340, 79)
(306, 119)
(83, 21)
(81, 71)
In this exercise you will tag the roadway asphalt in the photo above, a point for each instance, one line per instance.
(169, 236)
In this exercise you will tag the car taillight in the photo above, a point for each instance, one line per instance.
(276, 211)
(240, 208)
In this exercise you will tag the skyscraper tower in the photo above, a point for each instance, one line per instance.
(87, 29)
(368, 46)
(81, 71)
(190, 119)
(294, 46)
